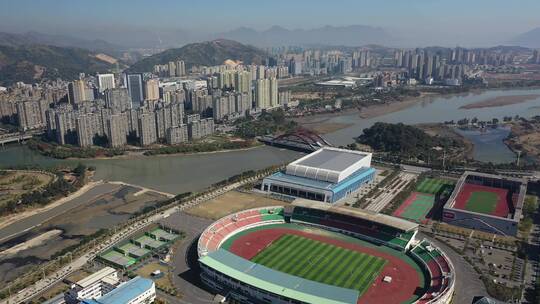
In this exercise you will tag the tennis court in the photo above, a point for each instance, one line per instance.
(133, 250)
(116, 258)
(148, 242)
(416, 207)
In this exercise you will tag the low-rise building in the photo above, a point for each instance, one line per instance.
(93, 286)
(135, 291)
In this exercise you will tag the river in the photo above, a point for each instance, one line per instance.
(180, 173)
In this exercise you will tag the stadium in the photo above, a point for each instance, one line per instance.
(486, 202)
(319, 253)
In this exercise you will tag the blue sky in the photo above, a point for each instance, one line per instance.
(466, 20)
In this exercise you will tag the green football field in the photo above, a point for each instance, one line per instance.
(321, 262)
(482, 202)
(433, 185)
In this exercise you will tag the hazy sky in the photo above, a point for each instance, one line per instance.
(425, 21)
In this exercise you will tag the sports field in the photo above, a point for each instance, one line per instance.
(483, 199)
(434, 185)
(321, 262)
(416, 207)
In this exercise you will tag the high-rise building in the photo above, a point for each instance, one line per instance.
(117, 129)
(135, 89)
(105, 81)
(151, 89)
(220, 106)
(536, 56)
(85, 133)
(32, 114)
(180, 68)
(177, 134)
(172, 69)
(117, 100)
(147, 128)
(262, 88)
(273, 93)
(77, 91)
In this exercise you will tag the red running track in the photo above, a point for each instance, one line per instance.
(405, 279)
(502, 209)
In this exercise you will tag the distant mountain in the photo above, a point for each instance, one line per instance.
(30, 38)
(204, 53)
(353, 35)
(530, 39)
(32, 63)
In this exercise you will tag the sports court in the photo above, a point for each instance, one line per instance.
(434, 185)
(133, 250)
(148, 242)
(483, 199)
(116, 258)
(416, 207)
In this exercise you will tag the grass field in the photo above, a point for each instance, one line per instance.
(321, 262)
(231, 202)
(416, 207)
(434, 185)
(482, 202)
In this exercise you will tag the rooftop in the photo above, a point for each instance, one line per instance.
(96, 277)
(124, 293)
(329, 164)
(318, 184)
(277, 282)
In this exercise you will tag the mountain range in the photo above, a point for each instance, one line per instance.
(353, 35)
(32, 63)
(530, 39)
(204, 53)
(32, 38)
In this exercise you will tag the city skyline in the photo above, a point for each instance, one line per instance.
(417, 22)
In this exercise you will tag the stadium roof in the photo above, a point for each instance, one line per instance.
(329, 164)
(384, 219)
(318, 184)
(125, 292)
(276, 282)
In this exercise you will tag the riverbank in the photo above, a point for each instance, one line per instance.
(51, 150)
(500, 101)
(386, 108)
(10, 219)
(524, 138)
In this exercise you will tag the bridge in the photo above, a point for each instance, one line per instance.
(9, 138)
(300, 140)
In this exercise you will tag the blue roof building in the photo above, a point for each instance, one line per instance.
(135, 291)
(327, 175)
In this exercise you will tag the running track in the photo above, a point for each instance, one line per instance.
(405, 279)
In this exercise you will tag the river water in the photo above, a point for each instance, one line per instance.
(180, 173)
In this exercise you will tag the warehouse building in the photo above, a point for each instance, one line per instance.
(326, 175)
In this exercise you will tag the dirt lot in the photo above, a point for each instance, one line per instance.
(146, 272)
(231, 202)
(15, 183)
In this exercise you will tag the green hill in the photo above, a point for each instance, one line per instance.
(32, 63)
(205, 53)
